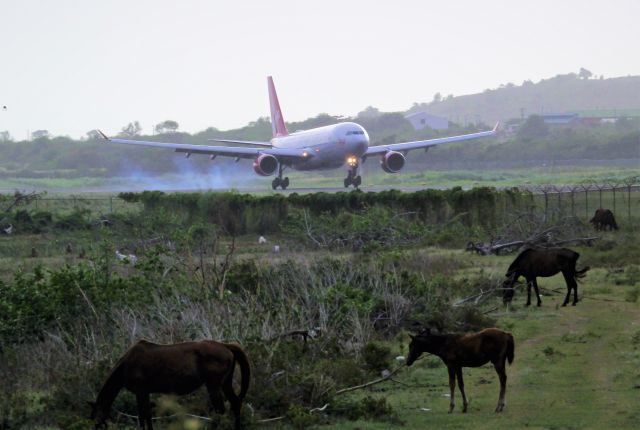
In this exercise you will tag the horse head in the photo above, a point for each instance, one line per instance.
(507, 287)
(420, 343)
(98, 415)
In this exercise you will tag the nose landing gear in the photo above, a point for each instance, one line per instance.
(353, 178)
(278, 181)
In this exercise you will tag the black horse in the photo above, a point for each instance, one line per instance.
(532, 263)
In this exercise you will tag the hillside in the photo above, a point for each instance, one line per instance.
(558, 94)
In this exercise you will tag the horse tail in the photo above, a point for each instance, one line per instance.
(510, 348)
(245, 367)
(582, 273)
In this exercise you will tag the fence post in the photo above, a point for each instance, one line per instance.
(629, 182)
(572, 190)
(545, 191)
(110, 204)
(586, 188)
(613, 186)
(559, 191)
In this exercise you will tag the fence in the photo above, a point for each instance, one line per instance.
(554, 201)
(583, 199)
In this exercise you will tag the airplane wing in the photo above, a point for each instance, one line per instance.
(242, 142)
(225, 151)
(419, 144)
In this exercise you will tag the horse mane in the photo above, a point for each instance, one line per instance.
(518, 260)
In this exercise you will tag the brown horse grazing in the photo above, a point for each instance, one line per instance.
(603, 219)
(467, 350)
(532, 263)
(178, 369)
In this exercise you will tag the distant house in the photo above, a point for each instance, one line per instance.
(420, 120)
(559, 118)
(602, 116)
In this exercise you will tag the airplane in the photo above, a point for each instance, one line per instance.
(322, 148)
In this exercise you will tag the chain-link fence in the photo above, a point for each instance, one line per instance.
(582, 200)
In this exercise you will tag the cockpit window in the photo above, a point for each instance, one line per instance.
(355, 132)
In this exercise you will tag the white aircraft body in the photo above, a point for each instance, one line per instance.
(321, 148)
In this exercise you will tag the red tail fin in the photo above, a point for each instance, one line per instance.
(277, 122)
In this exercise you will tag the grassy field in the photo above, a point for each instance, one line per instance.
(473, 178)
(574, 367)
(372, 175)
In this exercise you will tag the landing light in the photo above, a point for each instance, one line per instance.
(352, 161)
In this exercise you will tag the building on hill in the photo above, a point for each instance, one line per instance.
(559, 118)
(420, 120)
(603, 116)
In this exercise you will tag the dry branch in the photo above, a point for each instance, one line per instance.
(368, 384)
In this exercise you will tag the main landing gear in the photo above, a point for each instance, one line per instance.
(278, 181)
(353, 178)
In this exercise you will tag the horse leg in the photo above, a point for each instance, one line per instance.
(529, 281)
(502, 374)
(452, 386)
(535, 287)
(215, 396)
(234, 400)
(570, 279)
(461, 386)
(144, 411)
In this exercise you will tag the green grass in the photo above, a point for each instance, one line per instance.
(471, 178)
(574, 367)
(374, 176)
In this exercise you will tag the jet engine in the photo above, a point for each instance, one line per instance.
(265, 165)
(392, 162)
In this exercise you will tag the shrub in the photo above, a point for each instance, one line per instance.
(376, 357)
(368, 408)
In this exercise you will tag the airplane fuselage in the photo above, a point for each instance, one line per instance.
(329, 147)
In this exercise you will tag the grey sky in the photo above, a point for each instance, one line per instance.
(71, 66)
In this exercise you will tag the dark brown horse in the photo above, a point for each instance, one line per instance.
(179, 369)
(532, 263)
(467, 350)
(603, 219)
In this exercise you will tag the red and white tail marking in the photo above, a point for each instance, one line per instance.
(277, 122)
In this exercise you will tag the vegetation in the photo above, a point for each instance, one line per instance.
(385, 262)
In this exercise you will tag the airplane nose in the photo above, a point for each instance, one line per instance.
(360, 147)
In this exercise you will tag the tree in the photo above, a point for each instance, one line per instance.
(166, 126)
(40, 134)
(437, 97)
(369, 112)
(5, 136)
(131, 129)
(533, 128)
(584, 73)
(93, 135)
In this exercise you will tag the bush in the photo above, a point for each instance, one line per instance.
(368, 408)
(376, 357)
(76, 220)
